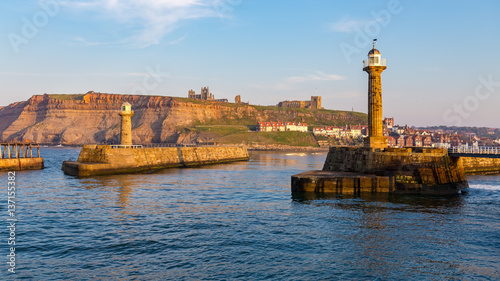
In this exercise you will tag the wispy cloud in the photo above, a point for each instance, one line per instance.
(279, 86)
(177, 41)
(148, 20)
(317, 76)
(82, 40)
(289, 83)
(347, 25)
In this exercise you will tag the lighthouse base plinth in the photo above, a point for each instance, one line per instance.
(357, 170)
(376, 142)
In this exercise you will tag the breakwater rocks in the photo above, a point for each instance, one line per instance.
(349, 170)
(106, 159)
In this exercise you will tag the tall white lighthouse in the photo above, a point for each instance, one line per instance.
(374, 66)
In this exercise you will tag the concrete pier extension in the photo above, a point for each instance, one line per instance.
(106, 160)
(20, 156)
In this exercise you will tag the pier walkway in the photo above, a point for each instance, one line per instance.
(483, 152)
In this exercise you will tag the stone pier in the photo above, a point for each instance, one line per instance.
(97, 160)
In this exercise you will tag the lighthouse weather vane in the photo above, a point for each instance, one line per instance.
(374, 43)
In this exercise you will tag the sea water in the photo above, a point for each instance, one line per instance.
(240, 221)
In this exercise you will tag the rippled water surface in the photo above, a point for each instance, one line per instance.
(240, 221)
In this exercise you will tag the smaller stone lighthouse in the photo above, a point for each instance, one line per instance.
(126, 126)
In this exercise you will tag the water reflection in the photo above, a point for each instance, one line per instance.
(423, 202)
(272, 159)
(388, 231)
(222, 222)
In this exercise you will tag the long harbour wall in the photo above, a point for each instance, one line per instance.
(105, 160)
(479, 165)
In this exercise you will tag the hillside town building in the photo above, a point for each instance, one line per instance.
(314, 103)
(341, 132)
(404, 136)
(281, 127)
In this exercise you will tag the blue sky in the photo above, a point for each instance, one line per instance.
(443, 57)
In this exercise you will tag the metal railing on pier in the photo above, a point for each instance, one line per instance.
(19, 150)
(204, 144)
(159, 145)
(125, 146)
(481, 150)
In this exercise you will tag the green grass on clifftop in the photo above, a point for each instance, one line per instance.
(266, 138)
(67, 97)
(221, 130)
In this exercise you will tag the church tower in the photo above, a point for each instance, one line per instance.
(374, 67)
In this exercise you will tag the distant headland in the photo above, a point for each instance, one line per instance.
(91, 118)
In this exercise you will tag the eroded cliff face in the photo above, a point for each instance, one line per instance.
(93, 118)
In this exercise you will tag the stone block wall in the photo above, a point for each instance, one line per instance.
(19, 164)
(102, 159)
(411, 168)
(476, 165)
(93, 154)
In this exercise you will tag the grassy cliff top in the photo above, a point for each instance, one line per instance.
(313, 117)
(67, 97)
(230, 104)
(275, 108)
